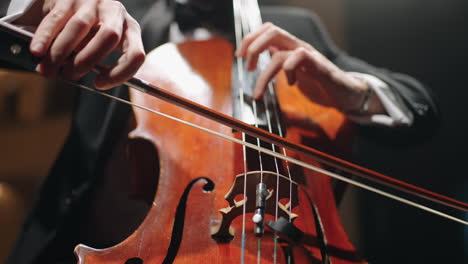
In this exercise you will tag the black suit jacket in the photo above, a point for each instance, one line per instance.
(3, 8)
(50, 232)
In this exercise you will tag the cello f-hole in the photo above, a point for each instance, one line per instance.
(134, 261)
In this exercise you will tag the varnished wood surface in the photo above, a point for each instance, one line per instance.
(192, 70)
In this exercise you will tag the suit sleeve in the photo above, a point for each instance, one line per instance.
(12, 9)
(4, 8)
(409, 92)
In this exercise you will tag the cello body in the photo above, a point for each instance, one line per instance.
(199, 175)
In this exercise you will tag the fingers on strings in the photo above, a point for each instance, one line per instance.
(288, 54)
(268, 36)
(292, 63)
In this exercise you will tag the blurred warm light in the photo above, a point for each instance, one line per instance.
(12, 209)
(29, 91)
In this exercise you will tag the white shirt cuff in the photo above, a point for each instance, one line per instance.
(16, 9)
(396, 115)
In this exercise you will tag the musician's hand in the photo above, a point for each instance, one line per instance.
(316, 76)
(91, 29)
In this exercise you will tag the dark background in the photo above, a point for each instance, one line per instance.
(429, 40)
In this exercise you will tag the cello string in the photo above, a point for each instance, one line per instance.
(246, 23)
(240, 70)
(278, 124)
(280, 133)
(243, 25)
(275, 244)
(254, 107)
(244, 31)
(263, 59)
(279, 155)
(253, 26)
(255, 23)
(289, 260)
(246, 26)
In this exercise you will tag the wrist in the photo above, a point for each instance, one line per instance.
(366, 100)
(359, 96)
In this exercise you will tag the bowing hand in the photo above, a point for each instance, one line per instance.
(316, 76)
(75, 35)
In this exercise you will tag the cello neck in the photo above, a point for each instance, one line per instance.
(264, 113)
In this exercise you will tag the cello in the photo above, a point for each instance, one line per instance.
(211, 82)
(309, 209)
